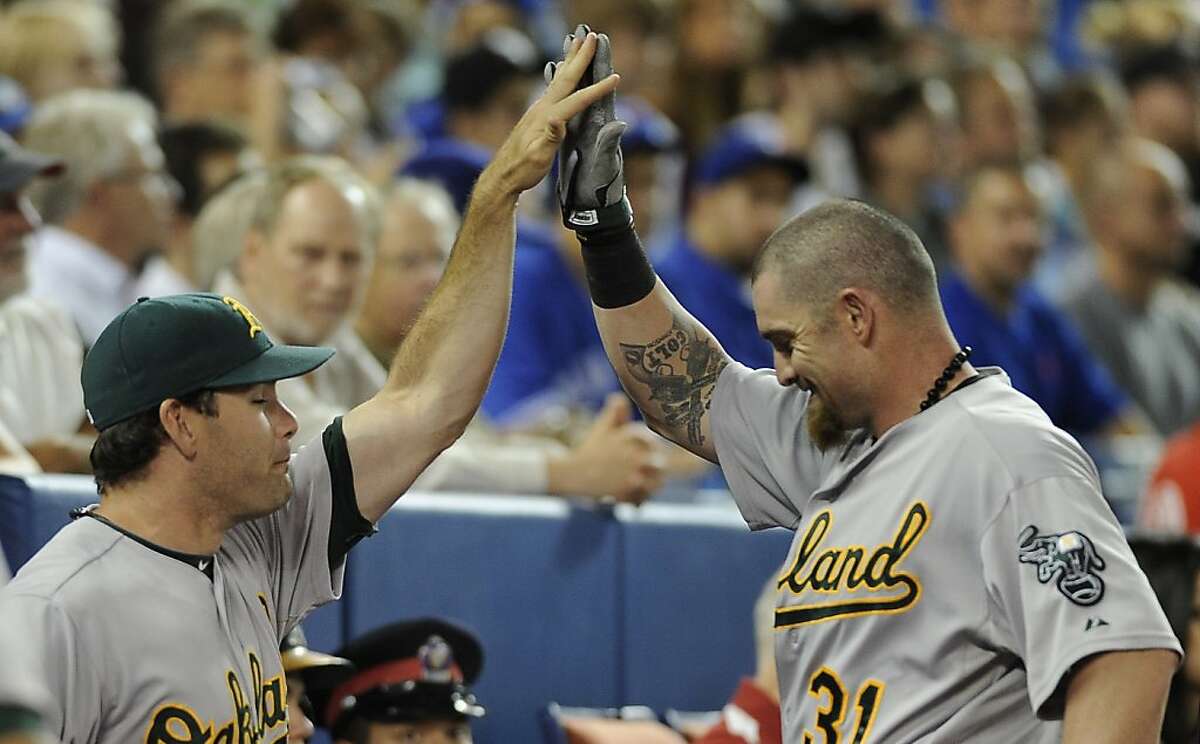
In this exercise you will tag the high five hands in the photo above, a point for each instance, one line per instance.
(526, 156)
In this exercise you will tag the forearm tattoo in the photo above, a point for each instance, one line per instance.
(680, 368)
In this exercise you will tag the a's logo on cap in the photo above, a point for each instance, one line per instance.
(436, 659)
(244, 311)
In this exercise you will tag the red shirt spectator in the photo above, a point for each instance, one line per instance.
(1172, 502)
(751, 717)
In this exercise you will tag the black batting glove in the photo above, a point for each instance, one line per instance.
(591, 178)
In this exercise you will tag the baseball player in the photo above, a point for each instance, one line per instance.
(956, 574)
(160, 611)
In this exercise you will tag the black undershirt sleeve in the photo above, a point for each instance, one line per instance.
(347, 525)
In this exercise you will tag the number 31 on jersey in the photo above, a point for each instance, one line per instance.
(831, 697)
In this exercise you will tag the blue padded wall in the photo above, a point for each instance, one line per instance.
(691, 581)
(536, 580)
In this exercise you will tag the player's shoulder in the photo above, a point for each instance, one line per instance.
(1007, 431)
(70, 567)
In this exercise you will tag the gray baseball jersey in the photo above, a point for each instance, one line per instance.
(21, 684)
(142, 646)
(944, 579)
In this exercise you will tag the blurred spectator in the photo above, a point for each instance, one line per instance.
(997, 113)
(302, 270)
(202, 157)
(204, 56)
(1084, 119)
(995, 235)
(612, 458)
(41, 403)
(53, 46)
(717, 41)
(1012, 28)
(110, 210)
(335, 54)
(470, 20)
(819, 62)
(742, 186)
(641, 43)
(487, 88)
(1141, 322)
(902, 135)
(219, 232)
(753, 715)
(486, 91)
(1173, 568)
(1164, 100)
(367, 41)
(1171, 503)
(553, 369)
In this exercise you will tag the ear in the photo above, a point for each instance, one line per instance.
(180, 424)
(254, 244)
(856, 311)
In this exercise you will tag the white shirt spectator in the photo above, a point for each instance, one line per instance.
(78, 275)
(160, 278)
(40, 358)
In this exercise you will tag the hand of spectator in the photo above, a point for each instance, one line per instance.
(615, 459)
(525, 157)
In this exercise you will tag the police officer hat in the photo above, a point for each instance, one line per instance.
(417, 670)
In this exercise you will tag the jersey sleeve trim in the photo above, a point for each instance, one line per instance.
(347, 524)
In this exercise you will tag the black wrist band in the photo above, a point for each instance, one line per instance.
(618, 272)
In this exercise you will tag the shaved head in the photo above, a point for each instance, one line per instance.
(843, 243)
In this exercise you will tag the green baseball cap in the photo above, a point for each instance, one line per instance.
(168, 347)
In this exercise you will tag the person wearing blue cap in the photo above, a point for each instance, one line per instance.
(740, 192)
(158, 613)
(483, 94)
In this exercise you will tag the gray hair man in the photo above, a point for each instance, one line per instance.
(110, 210)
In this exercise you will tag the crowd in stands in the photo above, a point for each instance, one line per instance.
(312, 158)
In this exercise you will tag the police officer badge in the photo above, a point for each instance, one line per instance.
(1068, 558)
(436, 660)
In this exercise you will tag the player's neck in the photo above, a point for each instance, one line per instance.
(164, 516)
(919, 365)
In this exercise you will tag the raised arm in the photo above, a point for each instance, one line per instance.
(666, 360)
(440, 373)
(668, 363)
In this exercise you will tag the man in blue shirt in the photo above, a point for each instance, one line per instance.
(741, 188)
(995, 235)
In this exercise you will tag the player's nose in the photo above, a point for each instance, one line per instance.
(783, 371)
(286, 423)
